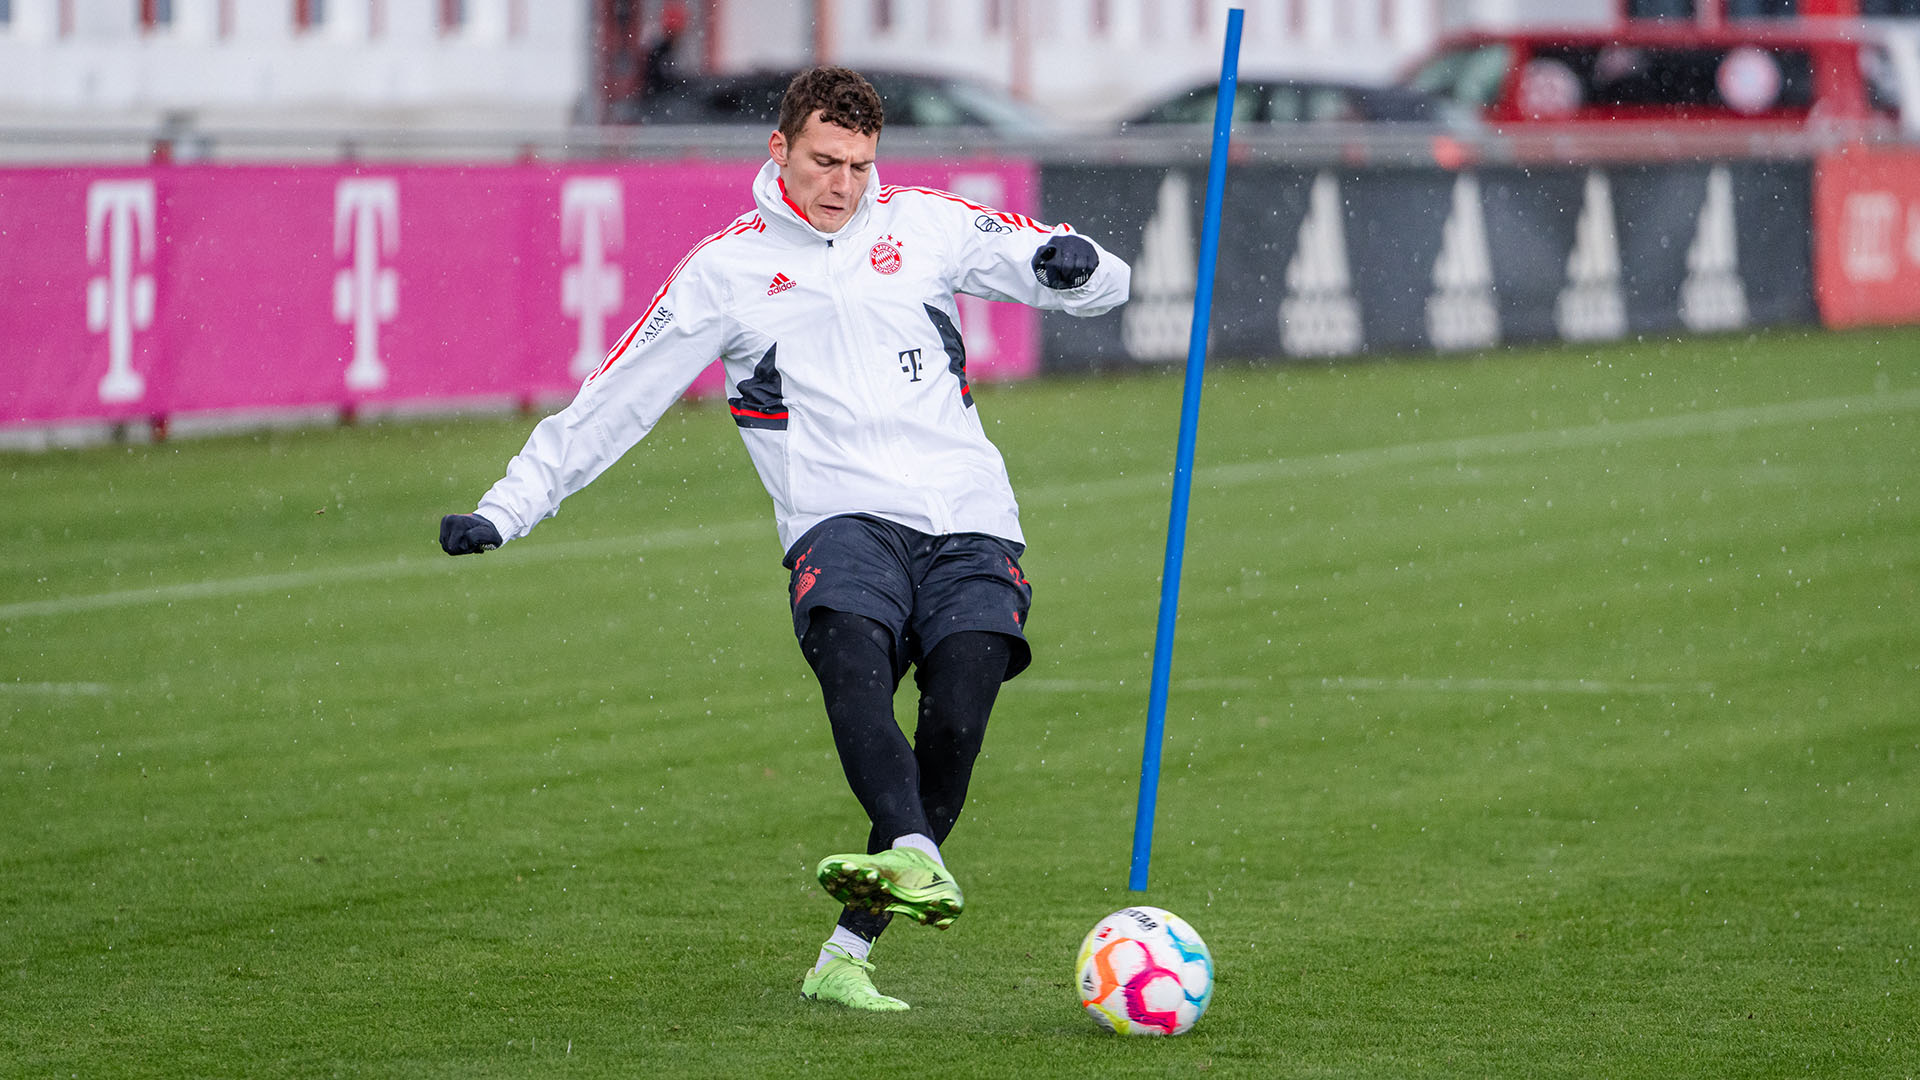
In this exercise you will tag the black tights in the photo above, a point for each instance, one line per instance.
(905, 788)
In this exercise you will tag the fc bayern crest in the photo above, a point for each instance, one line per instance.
(884, 256)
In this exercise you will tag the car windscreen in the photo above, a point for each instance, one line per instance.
(1196, 105)
(994, 111)
(1468, 75)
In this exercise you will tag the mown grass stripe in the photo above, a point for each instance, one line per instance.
(1678, 425)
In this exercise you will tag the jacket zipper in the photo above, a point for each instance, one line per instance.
(864, 351)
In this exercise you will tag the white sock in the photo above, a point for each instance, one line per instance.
(923, 843)
(847, 941)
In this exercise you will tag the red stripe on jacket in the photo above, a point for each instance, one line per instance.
(752, 224)
(888, 191)
(756, 414)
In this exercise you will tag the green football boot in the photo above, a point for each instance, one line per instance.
(846, 981)
(904, 881)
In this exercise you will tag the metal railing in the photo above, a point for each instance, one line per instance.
(1305, 144)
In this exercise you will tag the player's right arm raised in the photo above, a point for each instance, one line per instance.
(681, 332)
(1012, 257)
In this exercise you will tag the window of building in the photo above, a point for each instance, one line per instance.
(309, 14)
(6, 12)
(453, 16)
(156, 14)
(1890, 7)
(882, 16)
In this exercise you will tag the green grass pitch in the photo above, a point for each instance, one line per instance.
(1543, 713)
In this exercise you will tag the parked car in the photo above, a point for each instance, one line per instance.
(1283, 101)
(1750, 73)
(911, 100)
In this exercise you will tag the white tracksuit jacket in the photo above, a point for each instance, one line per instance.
(818, 333)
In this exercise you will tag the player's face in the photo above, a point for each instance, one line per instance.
(825, 169)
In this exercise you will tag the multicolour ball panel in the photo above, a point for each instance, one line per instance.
(1144, 971)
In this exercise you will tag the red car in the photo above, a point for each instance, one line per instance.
(1757, 75)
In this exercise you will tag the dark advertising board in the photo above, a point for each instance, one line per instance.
(1320, 263)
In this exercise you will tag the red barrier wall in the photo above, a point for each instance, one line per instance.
(1866, 227)
(145, 293)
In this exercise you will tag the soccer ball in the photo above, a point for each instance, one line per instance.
(1144, 971)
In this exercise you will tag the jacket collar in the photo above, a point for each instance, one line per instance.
(771, 198)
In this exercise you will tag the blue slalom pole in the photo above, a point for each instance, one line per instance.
(1183, 458)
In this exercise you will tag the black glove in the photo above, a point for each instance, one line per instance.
(1065, 261)
(468, 534)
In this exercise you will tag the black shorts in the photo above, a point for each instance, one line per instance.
(920, 587)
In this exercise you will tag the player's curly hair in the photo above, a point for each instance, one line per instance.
(841, 96)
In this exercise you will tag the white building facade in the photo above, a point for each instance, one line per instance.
(534, 64)
(508, 63)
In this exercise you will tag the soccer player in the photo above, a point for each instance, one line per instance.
(831, 305)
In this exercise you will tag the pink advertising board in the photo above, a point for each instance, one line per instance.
(154, 292)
